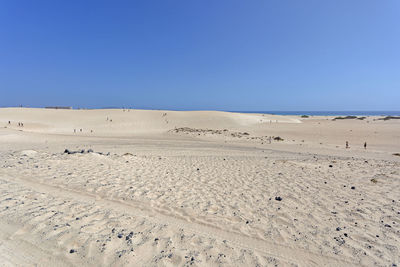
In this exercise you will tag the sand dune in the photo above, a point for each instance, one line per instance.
(216, 194)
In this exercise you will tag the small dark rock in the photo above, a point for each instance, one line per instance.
(278, 198)
(72, 251)
(353, 187)
(330, 166)
(120, 235)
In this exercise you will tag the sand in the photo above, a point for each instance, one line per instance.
(201, 188)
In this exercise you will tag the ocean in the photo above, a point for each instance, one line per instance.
(328, 113)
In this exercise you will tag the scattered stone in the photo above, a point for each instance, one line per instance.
(353, 187)
(278, 198)
(129, 236)
(330, 166)
(72, 251)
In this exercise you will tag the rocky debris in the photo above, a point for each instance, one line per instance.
(263, 139)
(340, 240)
(83, 151)
(129, 236)
(278, 198)
(72, 251)
(353, 187)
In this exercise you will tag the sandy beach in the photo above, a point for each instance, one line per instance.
(115, 187)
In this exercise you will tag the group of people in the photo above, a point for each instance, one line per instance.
(20, 124)
(80, 130)
(347, 145)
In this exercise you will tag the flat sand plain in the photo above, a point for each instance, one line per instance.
(200, 188)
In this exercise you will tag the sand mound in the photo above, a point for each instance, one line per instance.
(29, 153)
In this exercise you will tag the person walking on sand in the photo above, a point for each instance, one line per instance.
(347, 144)
(365, 145)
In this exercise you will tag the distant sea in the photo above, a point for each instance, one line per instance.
(328, 113)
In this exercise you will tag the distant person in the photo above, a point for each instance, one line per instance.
(347, 144)
(365, 145)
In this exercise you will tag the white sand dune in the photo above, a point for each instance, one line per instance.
(206, 188)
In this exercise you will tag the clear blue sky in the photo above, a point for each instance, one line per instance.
(199, 54)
